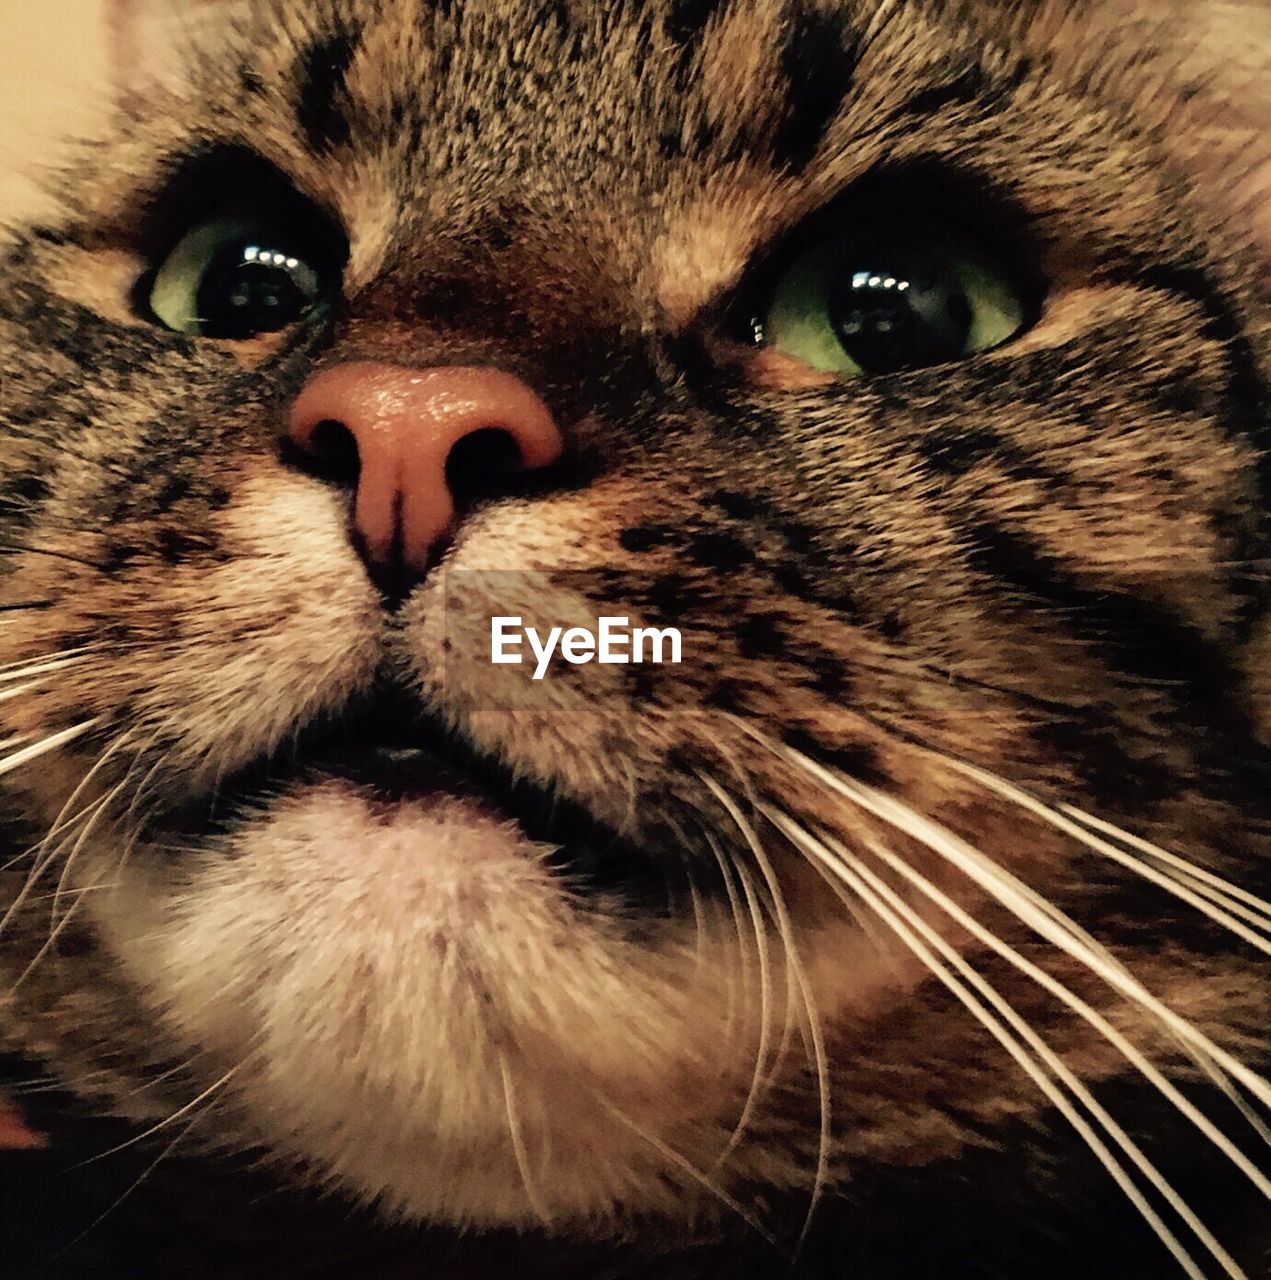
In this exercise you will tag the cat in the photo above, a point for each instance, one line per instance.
(911, 359)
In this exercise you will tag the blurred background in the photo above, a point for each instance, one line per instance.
(51, 85)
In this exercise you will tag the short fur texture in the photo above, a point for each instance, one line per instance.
(1047, 562)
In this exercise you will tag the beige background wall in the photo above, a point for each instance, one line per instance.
(52, 71)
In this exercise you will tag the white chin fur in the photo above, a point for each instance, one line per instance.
(415, 1007)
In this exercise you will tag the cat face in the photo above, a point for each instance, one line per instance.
(878, 348)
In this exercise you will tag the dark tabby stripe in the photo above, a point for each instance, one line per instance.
(556, 13)
(1246, 420)
(954, 451)
(250, 81)
(20, 502)
(858, 760)
(320, 74)
(1136, 637)
(969, 84)
(684, 23)
(819, 60)
(1248, 393)
(1142, 640)
(965, 87)
(686, 20)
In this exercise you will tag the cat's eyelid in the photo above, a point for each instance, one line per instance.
(221, 183)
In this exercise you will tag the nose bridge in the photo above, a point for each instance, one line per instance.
(532, 279)
(404, 424)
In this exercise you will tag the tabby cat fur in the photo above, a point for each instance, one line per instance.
(345, 1041)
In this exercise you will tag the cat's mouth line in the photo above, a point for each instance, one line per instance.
(399, 757)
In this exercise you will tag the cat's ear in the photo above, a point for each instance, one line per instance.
(154, 42)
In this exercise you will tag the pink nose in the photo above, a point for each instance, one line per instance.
(404, 424)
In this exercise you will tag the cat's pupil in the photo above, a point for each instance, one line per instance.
(247, 288)
(898, 306)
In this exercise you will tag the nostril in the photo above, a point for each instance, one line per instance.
(333, 442)
(329, 452)
(481, 464)
(419, 445)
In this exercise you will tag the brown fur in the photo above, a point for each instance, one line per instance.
(1048, 560)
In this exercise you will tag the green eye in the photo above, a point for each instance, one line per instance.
(236, 279)
(881, 297)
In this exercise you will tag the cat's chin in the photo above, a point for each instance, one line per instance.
(417, 838)
(415, 1002)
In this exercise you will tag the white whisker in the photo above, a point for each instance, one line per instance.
(40, 665)
(1032, 909)
(798, 976)
(519, 1151)
(1217, 890)
(185, 1110)
(86, 828)
(1084, 1010)
(738, 991)
(137, 1182)
(728, 878)
(46, 853)
(895, 913)
(42, 861)
(18, 690)
(54, 933)
(758, 1077)
(687, 1167)
(62, 821)
(755, 906)
(78, 890)
(1225, 888)
(1061, 823)
(51, 743)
